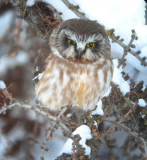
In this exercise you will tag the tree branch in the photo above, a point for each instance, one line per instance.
(127, 48)
(75, 9)
(132, 133)
(39, 110)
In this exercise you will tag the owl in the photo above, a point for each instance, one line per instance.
(77, 69)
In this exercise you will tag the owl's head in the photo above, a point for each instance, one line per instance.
(80, 40)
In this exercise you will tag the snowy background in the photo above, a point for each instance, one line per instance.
(117, 14)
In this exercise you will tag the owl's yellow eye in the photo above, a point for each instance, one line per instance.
(69, 41)
(91, 45)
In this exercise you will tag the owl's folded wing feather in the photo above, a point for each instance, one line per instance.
(40, 63)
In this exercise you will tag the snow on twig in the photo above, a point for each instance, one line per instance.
(127, 48)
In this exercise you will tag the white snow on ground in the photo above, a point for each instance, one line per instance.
(85, 134)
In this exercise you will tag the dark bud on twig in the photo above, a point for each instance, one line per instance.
(133, 31)
(138, 52)
(133, 46)
(134, 35)
(144, 58)
(125, 76)
(113, 30)
(139, 87)
(77, 6)
(117, 37)
(136, 38)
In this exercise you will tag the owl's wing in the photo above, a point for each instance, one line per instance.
(40, 63)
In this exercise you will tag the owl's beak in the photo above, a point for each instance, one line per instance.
(79, 53)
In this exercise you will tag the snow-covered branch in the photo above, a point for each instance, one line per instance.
(127, 48)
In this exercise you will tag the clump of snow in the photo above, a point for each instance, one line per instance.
(144, 87)
(2, 84)
(10, 62)
(105, 12)
(99, 110)
(85, 133)
(142, 103)
(17, 133)
(30, 3)
(118, 79)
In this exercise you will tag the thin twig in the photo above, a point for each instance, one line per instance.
(134, 134)
(58, 120)
(118, 41)
(126, 50)
(75, 9)
(37, 110)
(127, 114)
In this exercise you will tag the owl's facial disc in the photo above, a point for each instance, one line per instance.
(80, 48)
(84, 49)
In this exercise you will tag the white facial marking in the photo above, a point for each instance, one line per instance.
(55, 52)
(81, 45)
(82, 40)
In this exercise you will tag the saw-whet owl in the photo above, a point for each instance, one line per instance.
(77, 70)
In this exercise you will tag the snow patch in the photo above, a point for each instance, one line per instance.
(118, 79)
(5, 22)
(30, 3)
(7, 62)
(85, 133)
(2, 84)
(99, 110)
(3, 145)
(142, 103)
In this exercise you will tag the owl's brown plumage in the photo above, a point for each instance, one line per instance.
(78, 69)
